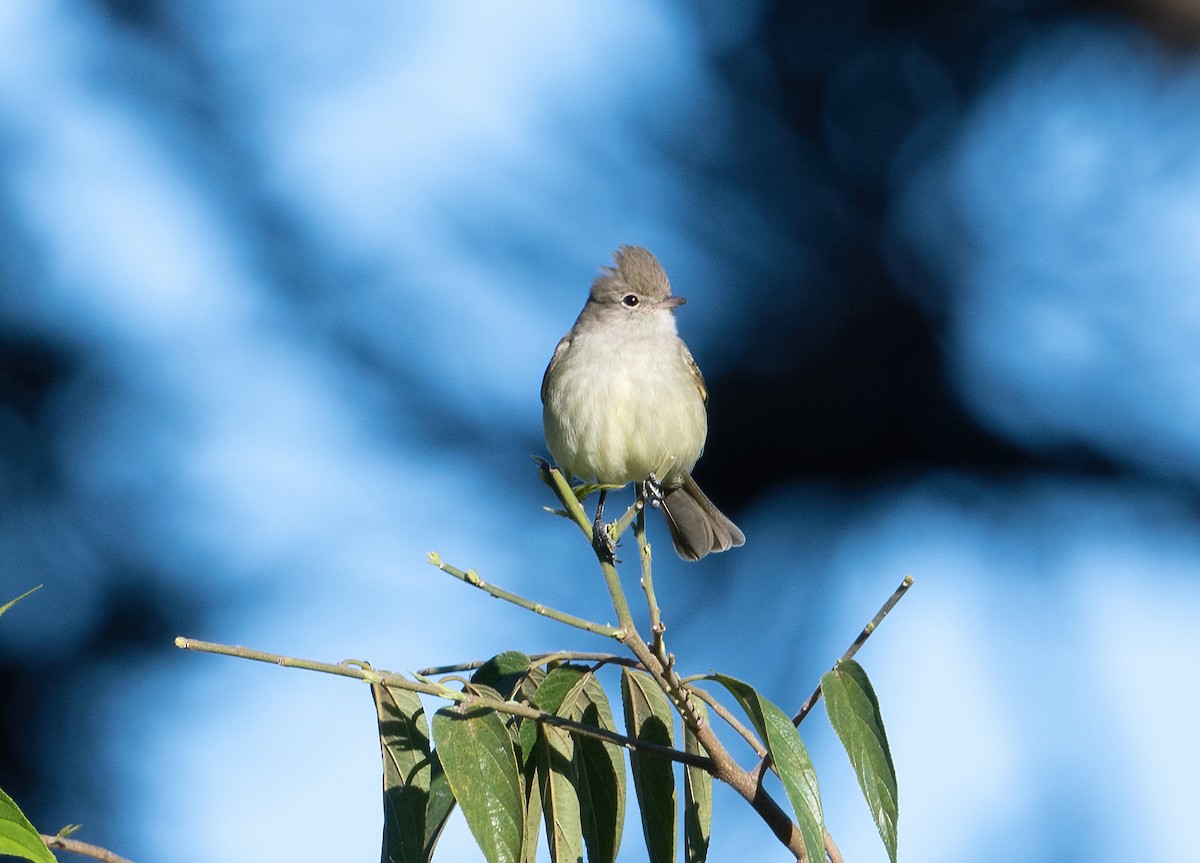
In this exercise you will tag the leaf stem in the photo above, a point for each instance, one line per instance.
(471, 577)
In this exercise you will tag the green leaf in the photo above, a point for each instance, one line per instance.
(697, 798)
(600, 771)
(441, 804)
(503, 672)
(404, 742)
(789, 759)
(533, 800)
(18, 837)
(560, 797)
(481, 766)
(554, 756)
(648, 716)
(12, 602)
(560, 681)
(854, 714)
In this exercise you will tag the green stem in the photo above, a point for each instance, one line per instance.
(621, 524)
(472, 577)
(656, 625)
(554, 478)
(617, 594)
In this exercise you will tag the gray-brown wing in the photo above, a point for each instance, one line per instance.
(695, 369)
(559, 350)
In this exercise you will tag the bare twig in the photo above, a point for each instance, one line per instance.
(471, 577)
(811, 701)
(63, 843)
(360, 671)
(897, 594)
(657, 628)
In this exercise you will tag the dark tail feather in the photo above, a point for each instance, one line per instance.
(697, 527)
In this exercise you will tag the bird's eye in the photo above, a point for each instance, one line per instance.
(629, 301)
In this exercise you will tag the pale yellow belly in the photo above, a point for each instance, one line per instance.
(622, 426)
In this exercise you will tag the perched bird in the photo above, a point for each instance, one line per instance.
(623, 401)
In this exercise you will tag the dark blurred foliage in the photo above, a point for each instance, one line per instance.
(836, 102)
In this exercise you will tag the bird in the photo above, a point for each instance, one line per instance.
(623, 401)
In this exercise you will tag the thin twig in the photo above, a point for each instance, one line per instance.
(472, 578)
(656, 625)
(619, 526)
(64, 843)
(466, 700)
(811, 701)
(897, 594)
(582, 656)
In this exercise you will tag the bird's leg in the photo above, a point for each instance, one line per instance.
(651, 491)
(601, 540)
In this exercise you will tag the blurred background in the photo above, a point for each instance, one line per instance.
(278, 283)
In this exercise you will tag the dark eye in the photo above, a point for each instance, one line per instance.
(629, 301)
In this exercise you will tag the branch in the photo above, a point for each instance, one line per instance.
(722, 765)
(360, 671)
(554, 478)
(471, 577)
(63, 843)
(733, 722)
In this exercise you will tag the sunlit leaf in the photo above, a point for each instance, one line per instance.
(697, 799)
(558, 682)
(481, 765)
(554, 752)
(649, 717)
(790, 760)
(854, 714)
(18, 837)
(533, 799)
(560, 797)
(404, 742)
(600, 771)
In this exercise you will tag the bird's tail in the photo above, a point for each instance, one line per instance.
(697, 526)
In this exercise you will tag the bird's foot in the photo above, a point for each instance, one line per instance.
(651, 491)
(602, 540)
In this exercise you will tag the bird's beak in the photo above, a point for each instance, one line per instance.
(670, 303)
